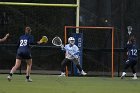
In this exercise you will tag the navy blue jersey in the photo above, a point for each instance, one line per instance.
(132, 51)
(23, 46)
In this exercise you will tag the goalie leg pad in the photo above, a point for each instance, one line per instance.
(63, 64)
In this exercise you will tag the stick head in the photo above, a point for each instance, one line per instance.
(57, 41)
(44, 39)
(129, 28)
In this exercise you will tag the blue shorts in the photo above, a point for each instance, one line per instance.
(23, 55)
(131, 62)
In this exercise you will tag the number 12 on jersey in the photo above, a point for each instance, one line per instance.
(134, 52)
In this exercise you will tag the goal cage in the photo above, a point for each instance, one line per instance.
(97, 49)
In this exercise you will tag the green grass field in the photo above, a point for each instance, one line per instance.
(55, 84)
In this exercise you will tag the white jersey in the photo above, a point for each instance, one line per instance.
(71, 51)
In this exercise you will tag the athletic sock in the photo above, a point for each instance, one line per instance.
(10, 74)
(27, 77)
(134, 75)
(79, 67)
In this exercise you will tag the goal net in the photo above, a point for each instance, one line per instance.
(98, 48)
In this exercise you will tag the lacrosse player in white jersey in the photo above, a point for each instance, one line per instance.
(71, 55)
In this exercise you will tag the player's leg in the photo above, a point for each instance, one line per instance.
(126, 66)
(77, 63)
(63, 65)
(14, 68)
(28, 70)
(133, 69)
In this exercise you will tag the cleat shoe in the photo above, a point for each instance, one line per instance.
(9, 78)
(62, 74)
(134, 78)
(123, 75)
(83, 73)
(29, 80)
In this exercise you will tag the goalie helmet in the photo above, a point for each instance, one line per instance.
(71, 40)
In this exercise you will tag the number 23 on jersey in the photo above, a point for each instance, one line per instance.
(23, 42)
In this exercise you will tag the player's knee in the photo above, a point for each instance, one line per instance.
(16, 66)
(29, 63)
(64, 62)
(76, 62)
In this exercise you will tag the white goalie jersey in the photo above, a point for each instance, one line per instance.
(71, 51)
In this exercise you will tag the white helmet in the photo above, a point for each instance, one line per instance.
(71, 40)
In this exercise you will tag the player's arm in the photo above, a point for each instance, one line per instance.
(128, 45)
(32, 42)
(130, 42)
(63, 48)
(3, 39)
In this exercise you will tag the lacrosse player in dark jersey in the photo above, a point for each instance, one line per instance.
(132, 53)
(24, 52)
